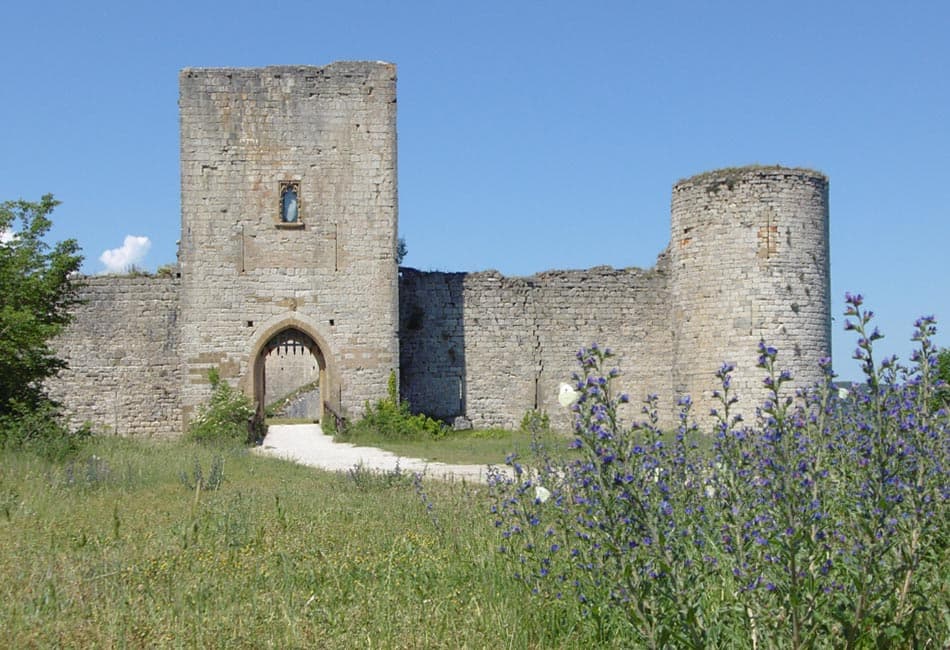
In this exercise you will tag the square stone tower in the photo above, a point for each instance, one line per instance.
(289, 223)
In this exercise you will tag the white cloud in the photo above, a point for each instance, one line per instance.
(132, 252)
(6, 236)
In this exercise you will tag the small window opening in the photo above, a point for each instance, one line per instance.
(290, 202)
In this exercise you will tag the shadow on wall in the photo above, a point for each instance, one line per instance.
(432, 342)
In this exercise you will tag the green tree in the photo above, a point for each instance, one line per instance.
(36, 292)
(943, 373)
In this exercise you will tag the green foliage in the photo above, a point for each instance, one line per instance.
(87, 474)
(280, 556)
(329, 425)
(395, 420)
(38, 291)
(392, 391)
(134, 271)
(942, 393)
(535, 422)
(39, 428)
(226, 417)
(197, 480)
(368, 480)
(166, 271)
(391, 418)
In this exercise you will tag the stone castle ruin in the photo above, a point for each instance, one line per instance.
(288, 281)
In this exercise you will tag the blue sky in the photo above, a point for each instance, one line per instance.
(532, 135)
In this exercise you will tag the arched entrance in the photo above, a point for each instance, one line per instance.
(290, 368)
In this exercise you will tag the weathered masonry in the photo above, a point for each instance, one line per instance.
(287, 279)
(748, 261)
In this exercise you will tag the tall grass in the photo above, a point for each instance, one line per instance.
(112, 549)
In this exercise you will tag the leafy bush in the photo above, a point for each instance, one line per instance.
(825, 524)
(535, 422)
(329, 426)
(39, 428)
(227, 417)
(392, 418)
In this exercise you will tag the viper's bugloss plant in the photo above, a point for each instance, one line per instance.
(822, 523)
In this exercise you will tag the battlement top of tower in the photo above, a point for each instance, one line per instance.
(730, 175)
(336, 67)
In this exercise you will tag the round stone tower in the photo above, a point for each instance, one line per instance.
(749, 262)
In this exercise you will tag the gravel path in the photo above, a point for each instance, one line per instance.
(308, 445)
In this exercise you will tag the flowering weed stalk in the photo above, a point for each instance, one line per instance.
(620, 529)
(892, 535)
(822, 523)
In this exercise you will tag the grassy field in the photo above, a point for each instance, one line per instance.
(115, 549)
(124, 546)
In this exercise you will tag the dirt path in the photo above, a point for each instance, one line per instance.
(308, 445)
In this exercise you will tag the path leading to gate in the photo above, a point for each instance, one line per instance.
(308, 445)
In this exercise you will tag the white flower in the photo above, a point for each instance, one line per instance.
(710, 491)
(541, 493)
(566, 395)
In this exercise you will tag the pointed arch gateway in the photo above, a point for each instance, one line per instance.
(285, 343)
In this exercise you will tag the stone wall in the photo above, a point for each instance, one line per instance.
(301, 406)
(247, 275)
(747, 261)
(288, 368)
(122, 350)
(491, 348)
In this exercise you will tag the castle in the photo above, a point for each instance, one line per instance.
(288, 276)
